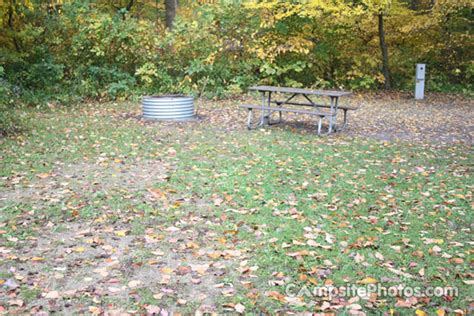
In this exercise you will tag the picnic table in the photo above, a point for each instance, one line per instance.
(321, 110)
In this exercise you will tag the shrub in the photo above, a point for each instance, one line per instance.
(11, 120)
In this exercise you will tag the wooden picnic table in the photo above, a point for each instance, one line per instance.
(323, 111)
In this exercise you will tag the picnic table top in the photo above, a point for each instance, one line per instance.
(329, 93)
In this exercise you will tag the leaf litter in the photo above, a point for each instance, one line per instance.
(179, 259)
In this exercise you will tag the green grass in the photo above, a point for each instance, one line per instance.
(360, 197)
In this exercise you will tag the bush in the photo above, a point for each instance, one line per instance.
(10, 118)
(80, 50)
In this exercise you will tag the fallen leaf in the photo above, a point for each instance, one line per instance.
(218, 201)
(152, 310)
(165, 279)
(298, 253)
(214, 254)
(17, 302)
(239, 308)
(120, 233)
(43, 175)
(199, 268)
(368, 280)
(95, 310)
(79, 249)
(114, 289)
(275, 295)
(379, 256)
(409, 302)
(166, 270)
(52, 295)
(456, 260)
(402, 273)
(36, 259)
(134, 283)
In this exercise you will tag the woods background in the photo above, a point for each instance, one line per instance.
(69, 51)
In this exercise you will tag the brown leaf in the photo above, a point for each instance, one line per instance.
(276, 295)
(456, 260)
(17, 302)
(199, 268)
(182, 270)
(409, 302)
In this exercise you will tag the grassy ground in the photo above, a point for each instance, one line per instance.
(102, 211)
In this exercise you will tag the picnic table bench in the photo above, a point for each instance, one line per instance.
(319, 110)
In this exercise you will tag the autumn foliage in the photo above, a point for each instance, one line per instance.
(65, 51)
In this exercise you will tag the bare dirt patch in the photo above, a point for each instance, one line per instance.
(90, 266)
(440, 118)
(67, 180)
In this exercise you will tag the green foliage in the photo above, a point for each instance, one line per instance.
(78, 50)
(11, 119)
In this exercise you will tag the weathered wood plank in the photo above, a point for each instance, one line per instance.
(329, 93)
(278, 109)
(341, 107)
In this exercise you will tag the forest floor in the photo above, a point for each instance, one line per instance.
(104, 212)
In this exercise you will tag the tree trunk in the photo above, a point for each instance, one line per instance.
(383, 48)
(171, 6)
(12, 29)
(414, 4)
(130, 5)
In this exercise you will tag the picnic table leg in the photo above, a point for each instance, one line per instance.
(333, 114)
(320, 124)
(266, 113)
(344, 123)
(262, 117)
(249, 119)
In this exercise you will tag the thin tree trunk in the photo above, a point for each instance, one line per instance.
(127, 9)
(171, 6)
(414, 4)
(129, 5)
(383, 48)
(10, 25)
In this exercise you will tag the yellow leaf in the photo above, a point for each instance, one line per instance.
(214, 255)
(440, 312)
(121, 233)
(37, 259)
(368, 280)
(419, 312)
(80, 249)
(166, 270)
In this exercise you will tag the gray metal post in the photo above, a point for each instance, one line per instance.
(420, 81)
